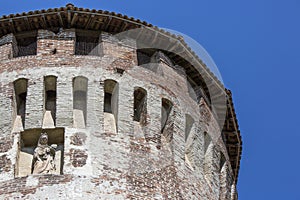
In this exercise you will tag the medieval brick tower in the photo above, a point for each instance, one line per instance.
(97, 105)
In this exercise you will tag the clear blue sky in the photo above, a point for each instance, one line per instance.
(256, 45)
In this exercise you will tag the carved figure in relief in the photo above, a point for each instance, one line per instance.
(43, 157)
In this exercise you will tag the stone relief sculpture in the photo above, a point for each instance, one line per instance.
(43, 157)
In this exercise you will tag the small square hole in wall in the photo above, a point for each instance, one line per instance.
(28, 145)
(120, 71)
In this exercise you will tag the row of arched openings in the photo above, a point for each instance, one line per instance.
(213, 163)
(80, 97)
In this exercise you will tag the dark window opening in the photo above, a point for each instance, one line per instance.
(149, 55)
(20, 87)
(26, 45)
(107, 102)
(110, 96)
(120, 71)
(222, 161)
(21, 103)
(144, 57)
(50, 96)
(165, 113)
(87, 44)
(140, 105)
(51, 103)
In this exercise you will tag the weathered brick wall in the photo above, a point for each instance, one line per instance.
(136, 161)
(34, 103)
(61, 43)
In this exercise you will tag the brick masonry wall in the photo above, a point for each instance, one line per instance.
(132, 163)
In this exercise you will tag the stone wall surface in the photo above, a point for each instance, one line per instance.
(131, 161)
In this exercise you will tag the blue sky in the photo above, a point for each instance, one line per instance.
(256, 46)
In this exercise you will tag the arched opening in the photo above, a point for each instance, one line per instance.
(190, 144)
(80, 86)
(189, 122)
(165, 112)
(167, 122)
(140, 105)
(208, 156)
(20, 87)
(211, 162)
(207, 142)
(50, 95)
(222, 161)
(111, 99)
(225, 179)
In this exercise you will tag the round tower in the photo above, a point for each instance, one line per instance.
(99, 105)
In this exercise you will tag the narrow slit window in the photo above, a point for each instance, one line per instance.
(208, 157)
(207, 144)
(110, 96)
(50, 95)
(165, 113)
(225, 180)
(80, 85)
(140, 105)
(222, 162)
(107, 102)
(167, 121)
(111, 99)
(189, 122)
(190, 145)
(20, 87)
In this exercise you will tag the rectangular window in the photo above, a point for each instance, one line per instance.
(87, 43)
(26, 44)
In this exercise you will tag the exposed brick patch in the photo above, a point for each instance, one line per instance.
(139, 147)
(6, 143)
(125, 61)
(148, 184)
(106, 167)
(78, 157)
(5, 164)
(13, 186)
(78, 139)
(19, 184)
(52, 179)
(6, 89)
